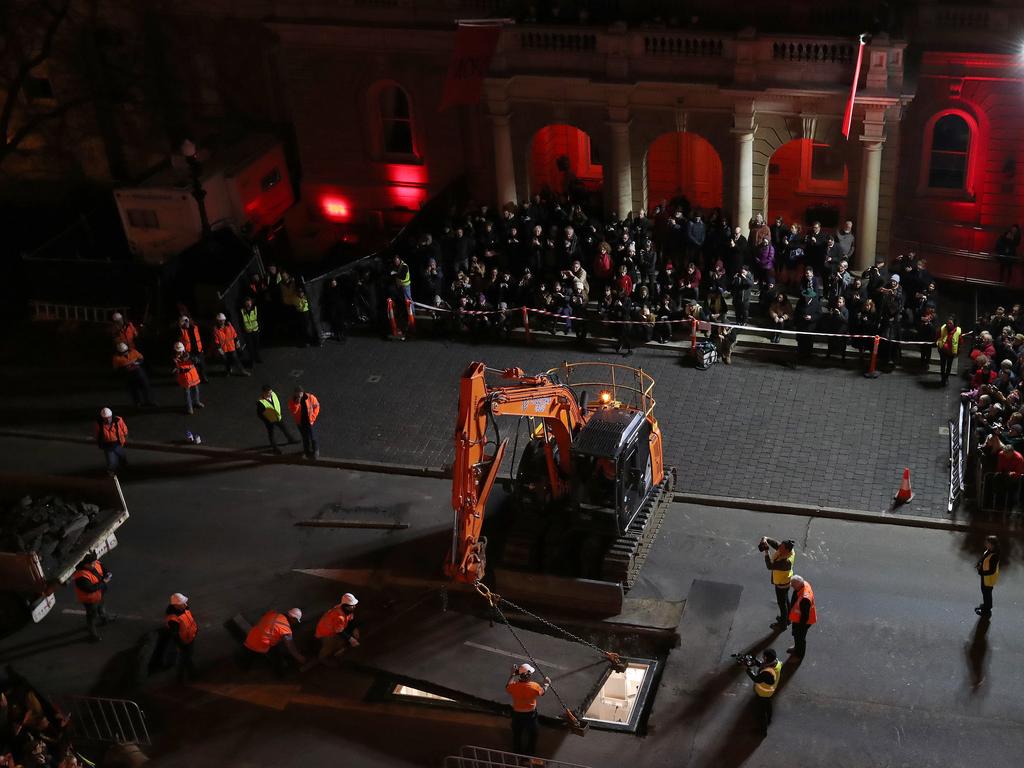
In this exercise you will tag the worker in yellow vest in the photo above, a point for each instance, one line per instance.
(949, 346)
(268, 410)
(780, 563)
(766, 682)
(251, 329)
(988, 569)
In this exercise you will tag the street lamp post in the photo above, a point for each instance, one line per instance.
(195, 169)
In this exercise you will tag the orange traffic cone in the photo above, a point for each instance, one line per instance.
(905, 493)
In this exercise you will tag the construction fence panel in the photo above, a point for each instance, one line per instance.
(997, 492)
(231, 297)
(959, 449)
(109, 721)
(484, 757)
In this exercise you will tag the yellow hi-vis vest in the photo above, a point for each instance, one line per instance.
(782, 578)
(944, 334)
(271, 407)
(993, 579)
(764, 690)
(250, 320)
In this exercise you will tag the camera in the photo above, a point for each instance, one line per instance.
(745, 659)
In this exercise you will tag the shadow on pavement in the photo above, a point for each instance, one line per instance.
(977, 654)
(42, 645)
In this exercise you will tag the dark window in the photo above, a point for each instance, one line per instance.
(143, 218)
(951, 144)
(272, 179)
(396, 122)
(826, 163)
(38, 88)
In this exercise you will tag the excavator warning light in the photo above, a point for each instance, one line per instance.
(606, 397)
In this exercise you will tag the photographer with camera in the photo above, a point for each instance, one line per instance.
(780, 563)
(766, 681)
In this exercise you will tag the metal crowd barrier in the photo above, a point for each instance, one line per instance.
(483, 757)
(997, 492)
(113, 721)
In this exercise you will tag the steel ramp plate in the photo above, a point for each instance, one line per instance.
(471, 660)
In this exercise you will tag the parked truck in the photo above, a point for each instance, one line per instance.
(47, 525)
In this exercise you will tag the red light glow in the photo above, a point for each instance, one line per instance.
(334, 208)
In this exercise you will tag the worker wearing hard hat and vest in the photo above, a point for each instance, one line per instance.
(802, 614)
(188, 378)
(268, 410)
(271, 637)
(337, 630)
(766, 681)
(251, 329)
(128, 362)
(192, 340)
(780, 563)
(90, 583)
(111, 436)
(123, 331)
(305, 409)
(225, 341)
(524, 693)
(181, 630)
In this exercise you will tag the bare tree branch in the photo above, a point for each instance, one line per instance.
(36, 122)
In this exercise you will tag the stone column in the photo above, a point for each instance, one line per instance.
(620, 196)
(504, 165)
(744, 202)
(870, 182)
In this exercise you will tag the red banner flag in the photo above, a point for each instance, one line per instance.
(848, 115)
(474, 48)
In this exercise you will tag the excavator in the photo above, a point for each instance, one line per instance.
(591, 488)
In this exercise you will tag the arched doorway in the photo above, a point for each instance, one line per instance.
(564, 161)
(684, 164)
(807, 181)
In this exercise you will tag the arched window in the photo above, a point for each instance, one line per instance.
(396, 134)
(949, 152)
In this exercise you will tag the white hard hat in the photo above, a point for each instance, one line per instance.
(797, 581)
(182, 320)
(526, 669)
(122, 347)
(220, 316)
(106, 413)
(179, 347)
(349, 599)
(117, 317)
(178, 599)
(295, 613)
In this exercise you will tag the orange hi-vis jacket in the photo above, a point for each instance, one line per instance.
(333, 622)
(794, 612)
(186, 372)
(187, 627)
(225, 338)
(126, 333)
(129, 361)
(524, 695)
(94, 574)
(114, 432)
(268, 632)
(187, 335)
(312, 405)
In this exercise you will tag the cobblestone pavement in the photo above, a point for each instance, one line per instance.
(756, 429)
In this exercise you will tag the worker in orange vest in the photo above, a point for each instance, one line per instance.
(192, 340)
(802, 614)
(128, 362)
(90, 581)
(188, 377)
(181, 630)
(225, 341)
(306, 408)
(123, 331)
(524, 693)
(111, 435)
(272, 635)
(337, 630)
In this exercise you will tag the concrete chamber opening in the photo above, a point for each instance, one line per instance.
(621, 698)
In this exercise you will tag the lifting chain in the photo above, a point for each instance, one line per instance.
(578, 726)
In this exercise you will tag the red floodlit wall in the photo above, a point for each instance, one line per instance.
(684, 163)
(550, 143)
(792, 190)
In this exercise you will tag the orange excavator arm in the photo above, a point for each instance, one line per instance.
(475, 470)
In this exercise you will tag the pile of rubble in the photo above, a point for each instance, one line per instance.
(49, 526)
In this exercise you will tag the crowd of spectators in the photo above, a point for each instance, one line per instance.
(33, 732)
(651, 273)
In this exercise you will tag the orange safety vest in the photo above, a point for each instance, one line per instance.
(94, 574)
(524, 695)
(126, 333)
(312, 405)
(187, 627)
(268, 632)
(225, 338)
(186, 339)
(333, 622)
(794, 612)
(114, 432)
(188, 376)
(130, 360)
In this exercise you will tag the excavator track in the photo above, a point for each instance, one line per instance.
(628, 553)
